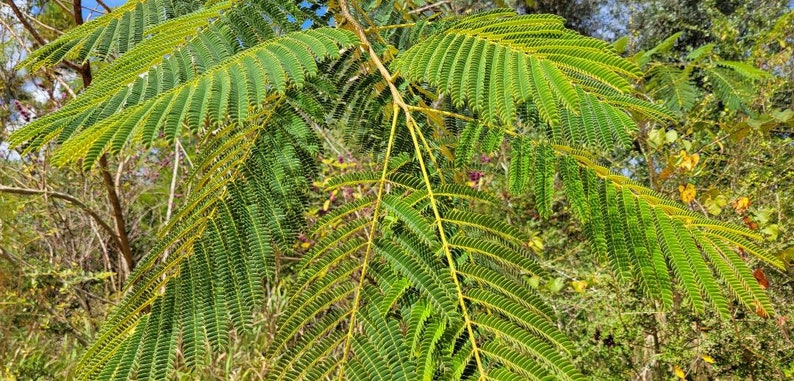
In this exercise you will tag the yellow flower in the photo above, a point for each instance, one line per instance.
(688, 162)
(679, 372)
(687, 194)
(741, 204)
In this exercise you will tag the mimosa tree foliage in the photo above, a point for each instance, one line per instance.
(414, 280)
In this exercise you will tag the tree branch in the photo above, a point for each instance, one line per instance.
(85, 69)
(110, 184)
(41, 24)
(8, 257)
(66, 197)
(102, 3)
(118, 215)
(24, 21)
(77, 8)
(429, 6)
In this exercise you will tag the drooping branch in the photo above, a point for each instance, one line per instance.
(66, 197)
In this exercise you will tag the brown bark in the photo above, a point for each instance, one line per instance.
(118, 214)
(110, 184)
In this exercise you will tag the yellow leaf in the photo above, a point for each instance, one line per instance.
(305, 245)
(715, 203)
(679, 372)
(326, 204)
(687, 194)
(579, 285)
(708, 359)
(536, 243)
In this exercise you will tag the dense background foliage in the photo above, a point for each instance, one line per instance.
(69, 236)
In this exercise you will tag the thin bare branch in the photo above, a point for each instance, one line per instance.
(66, 197)
(38, 40)
(102, 3)
(14, 261)
(41, 24)
(430, 6)
(172, 188)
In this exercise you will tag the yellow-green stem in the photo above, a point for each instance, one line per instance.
(370, 241)
(398, 101)
(412, 127)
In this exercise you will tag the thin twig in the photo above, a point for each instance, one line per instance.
(43, 25)
(387, 27)
(429, 6)
(172, 188)
(14, 261)
(14, 34)
(23, 46)
(66, 197)
(63, 6)
(184, 152)
(39, 41)
(65, 85)
(105, 256)
(102, 3)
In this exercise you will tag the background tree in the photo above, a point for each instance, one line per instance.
(60, 263)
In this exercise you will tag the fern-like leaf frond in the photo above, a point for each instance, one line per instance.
(647, 237)
(115, 33)
(497, 61)
(408, 262)
(674, 86)
(227, 91)
(512, 69)
(206, 274)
